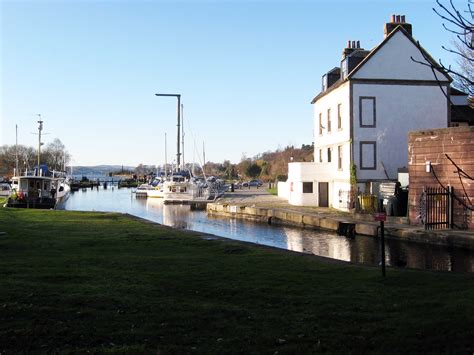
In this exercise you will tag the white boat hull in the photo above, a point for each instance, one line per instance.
(155, 193)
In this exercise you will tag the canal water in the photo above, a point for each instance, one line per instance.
(359, 250)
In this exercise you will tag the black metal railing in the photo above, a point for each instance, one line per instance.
(437, 207)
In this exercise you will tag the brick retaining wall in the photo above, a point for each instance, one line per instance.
(433, 145)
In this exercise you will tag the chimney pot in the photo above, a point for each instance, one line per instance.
(397, 20)
(353, 44)
(358, 44)
(348, 44)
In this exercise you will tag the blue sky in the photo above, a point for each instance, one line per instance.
(246, 70)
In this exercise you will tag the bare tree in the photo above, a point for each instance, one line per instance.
(8, 155)
(55, 155)
(460, 24)
(466, 68)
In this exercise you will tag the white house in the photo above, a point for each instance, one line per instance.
(363, 115)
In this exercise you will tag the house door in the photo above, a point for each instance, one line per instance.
(323, 194)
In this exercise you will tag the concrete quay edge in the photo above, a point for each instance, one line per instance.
(314, 220)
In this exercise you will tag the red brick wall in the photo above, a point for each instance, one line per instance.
(432, 145)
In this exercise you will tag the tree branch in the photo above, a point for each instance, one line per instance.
(458, 53)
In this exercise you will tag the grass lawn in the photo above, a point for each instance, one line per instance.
(273, 191)
(96, 282)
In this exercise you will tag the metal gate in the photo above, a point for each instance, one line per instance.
(436, 206)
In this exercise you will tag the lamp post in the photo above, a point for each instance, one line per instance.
(178, 154)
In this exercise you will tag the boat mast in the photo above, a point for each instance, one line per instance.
(166, 159)
(182, 133)
(178, 154)
(179, 124)
(203, 158)
(16, 151)
(40, 128)
(194, 158)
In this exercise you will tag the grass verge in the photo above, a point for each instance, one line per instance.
(95, 282)
(273, 191)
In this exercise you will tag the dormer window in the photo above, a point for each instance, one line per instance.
(324, 85)
(330, 78)
(344, 68)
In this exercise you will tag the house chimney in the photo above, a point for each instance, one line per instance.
(351, 47)
(351, 57)
(395, 21)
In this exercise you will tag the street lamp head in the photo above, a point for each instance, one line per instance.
(175, 95)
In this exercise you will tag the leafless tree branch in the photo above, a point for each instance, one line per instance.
(461, 25)
(457, 53)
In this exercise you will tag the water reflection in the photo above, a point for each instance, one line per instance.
(325, 244)
(360, 250)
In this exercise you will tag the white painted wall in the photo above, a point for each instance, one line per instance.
(338, 179)
(283, 189)
(399, 110)
(392, 61)
(329, 171)
(332, 100)
(297, 174)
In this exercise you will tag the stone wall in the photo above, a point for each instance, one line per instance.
(436, 146)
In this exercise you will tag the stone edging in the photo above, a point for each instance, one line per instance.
(309, 220)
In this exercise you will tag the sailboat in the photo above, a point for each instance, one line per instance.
(181, 187)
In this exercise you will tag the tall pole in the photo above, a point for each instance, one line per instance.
(40, 128)
(182, 133)
(178, 154)
(179, 134)
(166, 159)
(16, 150)
(203, 158)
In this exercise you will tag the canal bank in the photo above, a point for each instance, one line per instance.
(258, 205)
(325, 243)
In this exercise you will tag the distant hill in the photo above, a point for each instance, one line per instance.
(99, 170)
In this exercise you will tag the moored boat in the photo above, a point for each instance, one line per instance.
(40, 187)
(142, 190)
(5, 189)
(180, 189)
(44, 189)
(156, 191)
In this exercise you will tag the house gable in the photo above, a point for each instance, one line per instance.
(392, 60)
